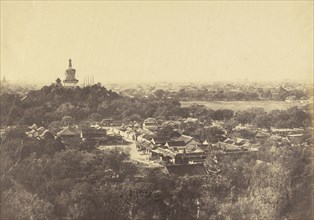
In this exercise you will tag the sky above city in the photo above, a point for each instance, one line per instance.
(157, 41)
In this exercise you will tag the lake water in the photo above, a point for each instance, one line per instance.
(242, 105)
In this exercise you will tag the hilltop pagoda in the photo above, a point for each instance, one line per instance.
(70, 80)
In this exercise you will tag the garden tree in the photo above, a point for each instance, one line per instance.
(247, 133)
(51, 146)
(201, 112)
(252, 193)
(85, 202)
(269, 191)
(195, 107)
(133, 117)
(298, 117)
(296, 160)
(223, 114)
(104, 108)
(10, 112)
(10, 155)
(81, 112)
(230, 124)
(282, 93)
(181, 94)
(54, 127)
(167, 131)
(188, 128)
(279, 118)
(15, 133)
(18, 203)
(199, 134)
(218, 95)
(159, 93)
(249, 115)
(213, 134)
(186, 193)
(211, 113)
(52, 116)
(215, 190)
(50, 175)
(262, 120)
(259, 206)
(135, 200)
(176, 197)
(65, 108)
(162, 111)
(180, 111)
(95, 116)
(34, 115)
(67, 120)
(32, 146)
(40, 147)
(280, 189)
(290, 118)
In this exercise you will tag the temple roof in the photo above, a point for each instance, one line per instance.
(68, 131)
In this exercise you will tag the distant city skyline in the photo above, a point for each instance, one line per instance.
(157, 41)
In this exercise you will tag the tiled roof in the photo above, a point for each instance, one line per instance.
(69, 131)
(185, 138)
(150, 120)
(160, 140)
(164, 152)
(175, 143)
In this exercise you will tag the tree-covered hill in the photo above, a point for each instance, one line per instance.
(51, 103)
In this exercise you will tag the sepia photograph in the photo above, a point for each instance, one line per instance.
(156, 110)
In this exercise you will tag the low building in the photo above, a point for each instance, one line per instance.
(39, 133)
(291, 98)
(295, 138)
(162, 154)
(111, 122)
(150, 124)
(234, 151)
(69, 134)
(106, 122)
(144, 146)
(187, 139)
(176, 152)
(159, 141)
(286, 131)
(190, 157)
(178, 146)
(93, 133)
(191, 120)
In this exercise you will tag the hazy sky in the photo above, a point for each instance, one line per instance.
(157, 41)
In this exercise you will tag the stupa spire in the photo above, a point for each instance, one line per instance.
(70, 63)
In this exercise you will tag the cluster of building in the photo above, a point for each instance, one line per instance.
(96, 135)
(179, 154)
(69, 135)
(185, 151)
(39, 133)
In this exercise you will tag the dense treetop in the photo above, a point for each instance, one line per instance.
(44, 179)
